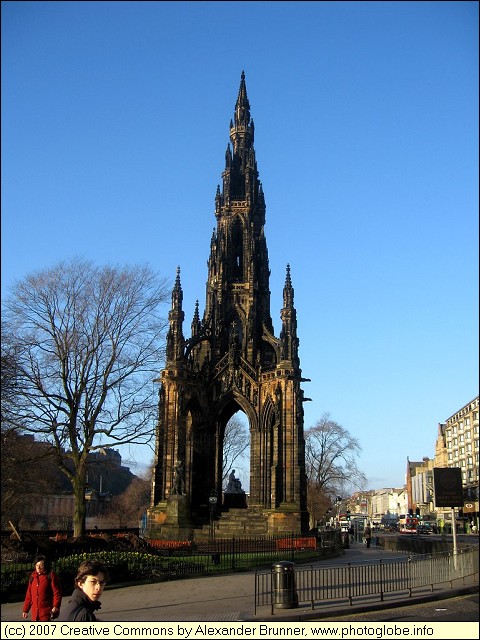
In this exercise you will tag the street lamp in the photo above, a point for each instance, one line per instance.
(338, 502)
(212, 500)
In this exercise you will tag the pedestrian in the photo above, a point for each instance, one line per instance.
(44, 593)
(85, 600)
(368, 534)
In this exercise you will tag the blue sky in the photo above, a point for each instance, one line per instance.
(115, 122)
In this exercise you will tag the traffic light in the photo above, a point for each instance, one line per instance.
(348, 515)
(417, 512)
(410, 512)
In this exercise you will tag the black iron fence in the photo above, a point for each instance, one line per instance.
(356, 582)
(235, 553)
(160, 560)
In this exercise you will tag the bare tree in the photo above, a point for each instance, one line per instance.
(331, 463)
(88, 343)
(235, 442)
(126, 509)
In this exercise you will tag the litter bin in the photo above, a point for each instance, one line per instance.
(284, 591)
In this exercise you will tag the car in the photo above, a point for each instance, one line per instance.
(424, 528)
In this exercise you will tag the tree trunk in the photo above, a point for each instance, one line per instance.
(80, 510)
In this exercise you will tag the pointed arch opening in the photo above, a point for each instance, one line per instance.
(237, 250)
(236, 450)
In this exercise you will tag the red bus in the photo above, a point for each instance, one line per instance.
(408, 524)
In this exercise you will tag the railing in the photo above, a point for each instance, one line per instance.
(160, 560)
(234, 553)
(370, 581)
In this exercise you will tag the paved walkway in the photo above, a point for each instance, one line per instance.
(229, 598)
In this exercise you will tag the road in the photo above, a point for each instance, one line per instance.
(457, 609)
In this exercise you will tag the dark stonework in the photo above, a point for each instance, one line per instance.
(174, 521)
(233, 361)
(234, 501)
(178, 512)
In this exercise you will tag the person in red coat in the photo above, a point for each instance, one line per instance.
(44, 593)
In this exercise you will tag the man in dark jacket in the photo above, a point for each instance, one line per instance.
(368, 535)
(85, 599)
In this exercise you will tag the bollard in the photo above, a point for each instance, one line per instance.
(284, 592)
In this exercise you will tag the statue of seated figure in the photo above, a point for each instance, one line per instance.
(234, 484)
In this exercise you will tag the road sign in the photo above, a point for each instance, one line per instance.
(447, 482)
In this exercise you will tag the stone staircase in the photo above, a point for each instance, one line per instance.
(238, 523)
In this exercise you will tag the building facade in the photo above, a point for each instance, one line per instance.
(378, 505)
(387, 504)
(458, 446)
(420, 487)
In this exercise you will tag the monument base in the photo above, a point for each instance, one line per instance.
(234, 501)
(288, 519)
(170, 520)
